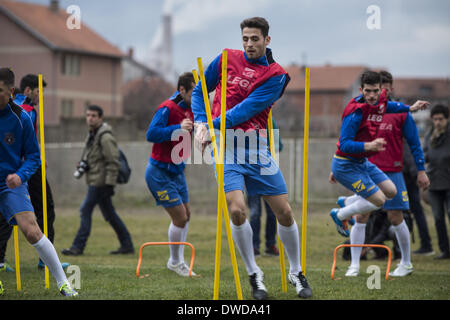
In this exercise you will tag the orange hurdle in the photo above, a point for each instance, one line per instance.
(361, 245)
(165, 243)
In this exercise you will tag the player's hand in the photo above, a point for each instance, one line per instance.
(187, 124)
(13, 181)
(200, 134)
(419, 105)
(331, 178)
(375, 145)
(422, 180)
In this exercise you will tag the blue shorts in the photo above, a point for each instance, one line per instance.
(360, 177)
(258, 179)
(14, 201)
(400, 201)
(168, 189)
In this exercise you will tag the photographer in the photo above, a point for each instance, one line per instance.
(100, 164)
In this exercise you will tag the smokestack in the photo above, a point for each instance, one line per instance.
(54, 5)
(167, 45)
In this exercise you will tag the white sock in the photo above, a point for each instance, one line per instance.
(243, 237)
(359, 206)
(357, 236)
(402, 234)
(349, 200)
(290, 239)
(48, 255)
(183, 238)
(175, 235)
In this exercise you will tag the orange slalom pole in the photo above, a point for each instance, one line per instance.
(191, 266)
(362, 245)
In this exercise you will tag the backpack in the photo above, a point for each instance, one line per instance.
(124, 169)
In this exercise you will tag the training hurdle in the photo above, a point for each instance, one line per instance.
(164, 243)
(361, 245)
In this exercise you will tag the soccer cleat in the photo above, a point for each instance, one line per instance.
(5, 267)
(41, 265)
(300, 284)
(67, 291)
(341, 226)
(352, 271)
(256, 251)
(402, 270)
(259, 291)
(341, 203)
(181, 269)
(1, 288)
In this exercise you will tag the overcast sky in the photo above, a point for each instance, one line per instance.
(414, 39)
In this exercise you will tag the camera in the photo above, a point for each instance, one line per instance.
(81, 169)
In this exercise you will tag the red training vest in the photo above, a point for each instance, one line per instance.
(162, 151)
(243, 78)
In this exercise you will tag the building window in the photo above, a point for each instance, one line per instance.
(66, 108)
(426, 90)
(70, 64)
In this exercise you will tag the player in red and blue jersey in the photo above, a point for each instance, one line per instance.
(255, 81)
(359, 139)
(165, 170)
(394, 128)
(19, 159)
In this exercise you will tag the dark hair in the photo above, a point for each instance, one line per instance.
(386, 77)
(31, 81)
(186, 80)
(370, 77)
(7, 76)
(256, 22)
(439, 109)
(97, 109)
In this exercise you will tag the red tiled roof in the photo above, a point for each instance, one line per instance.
(325, 77)
(412, 87)
(50, 27)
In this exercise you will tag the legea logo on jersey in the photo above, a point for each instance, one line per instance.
(249, 73)
(244, 83)
(375, 117)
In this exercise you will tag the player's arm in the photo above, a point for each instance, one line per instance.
(30, 153)
(158, 130)
(399, 107)
(411, 135)
(260, 99)
(197, 101)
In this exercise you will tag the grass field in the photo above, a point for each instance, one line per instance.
(114, 277)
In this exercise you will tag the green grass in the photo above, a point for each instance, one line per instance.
(104, 276)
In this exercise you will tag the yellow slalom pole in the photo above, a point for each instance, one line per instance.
(16, 258)
(195, 74)
(44, 180)
(221, 198)
(305, 169)
(280, 244)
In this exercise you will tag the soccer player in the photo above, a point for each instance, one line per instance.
(358, 140)
(19, 159)
(165, 173)
(255, 82)
(393, 128)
